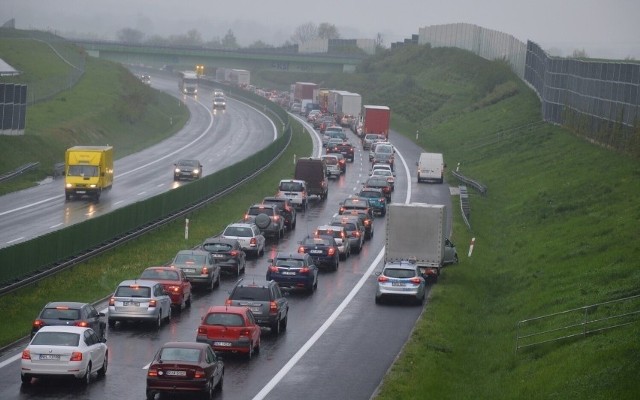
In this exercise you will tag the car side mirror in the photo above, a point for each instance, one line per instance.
(102, 314)
(103, 340)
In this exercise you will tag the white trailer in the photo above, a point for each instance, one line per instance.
(240, 77)
(415, 232)
(348, 107)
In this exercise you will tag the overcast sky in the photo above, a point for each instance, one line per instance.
(607, 29)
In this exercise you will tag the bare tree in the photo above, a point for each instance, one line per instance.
(130, 35)
(328, 31)
(305, 33)
(580, 53)
(229, 40)
(259, 44)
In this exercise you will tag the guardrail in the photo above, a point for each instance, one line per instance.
(577, 322)
(18, 171)
(471, 182)
(465, 206)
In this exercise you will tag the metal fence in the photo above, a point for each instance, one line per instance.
(597, 99)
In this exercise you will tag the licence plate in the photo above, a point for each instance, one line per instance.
(176, 373)
(218, 256)
(288, 273)
(397, 284)
(131, 303)
(315, 251)
(81, 191)
(222, 344)
(49, 356)
(189, 270)
(255, 310)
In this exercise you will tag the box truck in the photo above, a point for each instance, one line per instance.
(376, 119)
(348, 107)
(88, 171)
(416, 233)
(314, 172)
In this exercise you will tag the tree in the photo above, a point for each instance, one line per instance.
(580, 53)
(379, 41)
(259, 44)
(194, 37)
(229, 40)
(305, 33)
(157, 40)
(130, 35)
(327, 31)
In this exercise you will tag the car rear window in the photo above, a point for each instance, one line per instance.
(133, 291)
(190, 259)
(239, 231)
(224, 319)
(250, 293)
(399, 273)
(57, 313)
(331, 161)
(291, 186)
(333, 232)
(179, 354)
(56, 339)
(260, 210)
(216, 247)
(160, 274)
(289, 263)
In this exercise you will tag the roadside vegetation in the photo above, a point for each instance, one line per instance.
(107, 106)
(558, 229)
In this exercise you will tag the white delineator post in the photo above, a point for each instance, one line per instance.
(473, 242)
(186, 229)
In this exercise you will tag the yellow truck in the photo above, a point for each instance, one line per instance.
(88, 171)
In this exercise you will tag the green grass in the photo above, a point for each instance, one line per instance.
(107, 106)
(558, 229)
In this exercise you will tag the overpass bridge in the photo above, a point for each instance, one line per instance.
(185, 57)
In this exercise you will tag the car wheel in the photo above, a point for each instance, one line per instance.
(221, 381)
(169, 315)
(26, 379)
(187, 302)
(151, 395)
(378, 300)
(208, 391)
(103, 370)
(211, 285)
(275, 327)
(257, 348)
(261, 252)
(336, 265)
(86, 378)
(218, 281)
(293, 224)
(111, 323)
(283, 323)
(158, 321)
(250, 352)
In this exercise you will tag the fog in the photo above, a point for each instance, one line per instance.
(602, 29)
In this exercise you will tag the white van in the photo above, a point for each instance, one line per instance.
(431, 167)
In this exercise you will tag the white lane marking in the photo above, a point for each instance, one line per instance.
(28, 205)
(142, 193)
(10, 360)
(313, 339)
(55, 226)
(15, 240)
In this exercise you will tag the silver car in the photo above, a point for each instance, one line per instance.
(139, 300)
(339, 234)
(401, 279)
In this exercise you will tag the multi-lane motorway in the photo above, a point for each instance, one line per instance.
(338, 343)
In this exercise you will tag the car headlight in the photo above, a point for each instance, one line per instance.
(177, 170)
(196, 171)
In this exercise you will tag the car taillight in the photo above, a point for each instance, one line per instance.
(245, 332)
(341, 210)
(83, 324)
(205, 271)
(202, 330)
(76, 356)
(355, 233)
(152, 303)
(198, 373)
(331, 251)
(26, 354)
(415, 281)
(382, 278)
(300, 249)
(234, 253)
(227, 302)
(112, 301)
(367, 222)
(276, 218)
(273, 268)
(152, 372)
(382, 200)
(175, 289)
(304, 270)
(253, 242)
(246, 216)
(273, 307)
(37, 324)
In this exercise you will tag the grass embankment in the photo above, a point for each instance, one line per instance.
(107, 106)
(559, 229)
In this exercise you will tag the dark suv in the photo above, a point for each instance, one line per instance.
(70, 313)
(265, 300)
(267, 218)
(287, 210)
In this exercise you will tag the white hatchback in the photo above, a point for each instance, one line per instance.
(64, 351)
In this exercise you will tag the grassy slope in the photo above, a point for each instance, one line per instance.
(558, 230)
(107, 106)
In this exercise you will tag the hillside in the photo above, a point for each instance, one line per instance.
(557, 230)
(107, 106)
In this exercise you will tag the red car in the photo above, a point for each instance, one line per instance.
(230, 329)
(185, 367)
(174, 282)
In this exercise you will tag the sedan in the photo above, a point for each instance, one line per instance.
(64, 351)
(174, 282)
(379, 182)
(323, 250)
(185, 367)
(388, 175)
(401, 279)
(187, 169)
(294, 271)
(230, 329)
(227, 253)
(139, 301)
(70, 313)
(199, 267)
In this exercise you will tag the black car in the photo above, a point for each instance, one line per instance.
(265, 300)
(70, 313)
(380, 182)
(187, 169)
(359, 206)
(294, 271)
(322, 249)
(227, 253)
(287, 210)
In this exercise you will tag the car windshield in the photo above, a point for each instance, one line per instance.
(133, 291)
(179, 354)
(190, 259)
(61, 313)
(224, 319)
(219, 99)
(82, 170)
(238, 231)
(399, 273)
(291, 186)
(160, 274)
(250, 293)
(188, 163)
(56, 339)
(217, 247)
